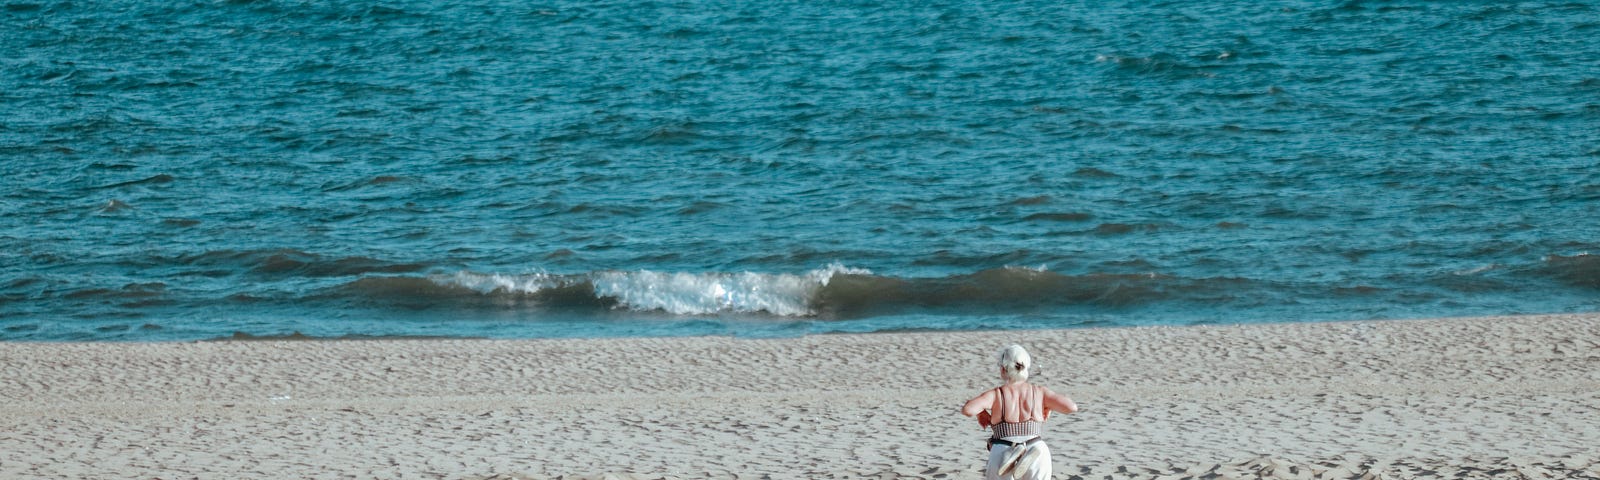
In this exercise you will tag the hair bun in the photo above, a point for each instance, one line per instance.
(1014, 360)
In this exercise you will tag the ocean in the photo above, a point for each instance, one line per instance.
(263, 169)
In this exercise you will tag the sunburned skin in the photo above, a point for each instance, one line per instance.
(1017, 402)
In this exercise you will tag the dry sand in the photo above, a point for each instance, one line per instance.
(1509, 397)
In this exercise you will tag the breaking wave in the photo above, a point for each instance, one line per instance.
(835, 291)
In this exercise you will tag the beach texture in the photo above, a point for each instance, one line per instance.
(1500, 397)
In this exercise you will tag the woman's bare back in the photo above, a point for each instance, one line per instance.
(1019, 402)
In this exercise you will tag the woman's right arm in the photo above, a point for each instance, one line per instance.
(1059, 403)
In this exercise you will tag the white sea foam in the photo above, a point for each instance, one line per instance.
(1477, 270)
(678, 293)
(495, 282)
(706, 293)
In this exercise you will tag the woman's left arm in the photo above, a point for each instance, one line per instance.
(979, 407)
(978, 404)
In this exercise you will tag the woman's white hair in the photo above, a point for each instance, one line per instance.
(1014, 364)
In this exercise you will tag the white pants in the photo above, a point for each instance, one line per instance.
(998, 454)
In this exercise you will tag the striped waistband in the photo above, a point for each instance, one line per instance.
(1018, 429)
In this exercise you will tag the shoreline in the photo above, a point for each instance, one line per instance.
(297, 336)
(1421, 398)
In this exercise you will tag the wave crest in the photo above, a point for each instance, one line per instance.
(832, 292)
(677, 293)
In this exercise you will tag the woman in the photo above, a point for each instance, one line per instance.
(1017, 411)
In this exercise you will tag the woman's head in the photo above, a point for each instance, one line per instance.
(1014, 364)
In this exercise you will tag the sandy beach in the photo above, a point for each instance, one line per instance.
(1500, 397)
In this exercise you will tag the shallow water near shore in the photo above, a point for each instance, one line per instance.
(572, 169)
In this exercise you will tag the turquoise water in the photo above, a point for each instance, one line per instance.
(176, 171)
